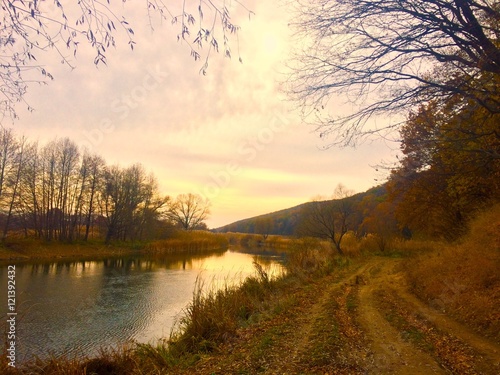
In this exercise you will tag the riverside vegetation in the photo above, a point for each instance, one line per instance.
(180, 241)
(419, 307)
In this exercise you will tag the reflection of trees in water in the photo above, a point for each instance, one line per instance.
(56, 268)
(267, 254)
(82, 305)
(184, 260)
(147, 262)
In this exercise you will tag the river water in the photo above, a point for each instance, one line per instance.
(78, 307)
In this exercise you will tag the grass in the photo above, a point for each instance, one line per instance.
(187, 241)
(33, 249)
(210, 321)
(453, 277)
(23, 249)
(257, 240)
(458, 275)
(452, 353)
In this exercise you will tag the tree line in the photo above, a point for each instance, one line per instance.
(57, 192)
(434, 62)
(331, 218)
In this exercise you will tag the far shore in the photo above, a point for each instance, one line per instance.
(32, 250)
(19, 252)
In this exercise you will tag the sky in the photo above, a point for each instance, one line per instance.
(230, 135)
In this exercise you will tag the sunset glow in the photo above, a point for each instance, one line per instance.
(230, 135)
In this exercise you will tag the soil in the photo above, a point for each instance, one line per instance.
(364, 321)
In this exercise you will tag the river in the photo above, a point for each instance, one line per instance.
(77, 307)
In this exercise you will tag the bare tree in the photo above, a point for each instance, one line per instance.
(264, 226)
(30, 206)
(94, 164)
(327, 219)
(189, 210)
(15, 179)
(8, 152)
(122, 194)
(29, 28)
(67, 161)
(151, 209)
(385, 56)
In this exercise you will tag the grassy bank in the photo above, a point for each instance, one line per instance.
(183, 241)
(243, 329)
(212, 320)
(257, 240)
(463, 279)
(26, 250)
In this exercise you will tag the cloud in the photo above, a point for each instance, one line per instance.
(228, 135)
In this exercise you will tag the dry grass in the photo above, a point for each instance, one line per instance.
(33, 249)
(244, 239)
(279, 242)
(258, 240)
(109, 362)
(310, 258)
(463, 279)
(214, 314)
(182, 241)
(211, 320)
(186, 241)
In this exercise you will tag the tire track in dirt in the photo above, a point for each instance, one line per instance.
(390, 354)
(320, 316)
(446, 342)
(341, 324)
(324, 339)
(487, 348)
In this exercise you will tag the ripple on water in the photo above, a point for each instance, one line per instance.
(106, 303)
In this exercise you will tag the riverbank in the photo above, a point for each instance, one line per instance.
(22, 250)
(406, 310)
(329, 315)
(334, 316)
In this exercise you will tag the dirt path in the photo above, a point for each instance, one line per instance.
(390, 353)
(410, 337)
(364, 322)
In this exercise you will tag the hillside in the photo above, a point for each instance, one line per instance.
(284, 222)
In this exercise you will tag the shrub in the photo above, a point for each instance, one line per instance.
(310, 257)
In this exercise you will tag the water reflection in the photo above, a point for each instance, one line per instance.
(76, 307)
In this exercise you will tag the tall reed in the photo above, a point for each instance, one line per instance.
(188, 241)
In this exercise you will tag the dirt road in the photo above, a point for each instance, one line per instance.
(362, 322)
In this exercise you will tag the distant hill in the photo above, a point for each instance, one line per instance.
(284, 222)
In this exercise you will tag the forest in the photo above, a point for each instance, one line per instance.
(448, 172)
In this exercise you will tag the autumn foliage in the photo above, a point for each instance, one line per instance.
(450, 168)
